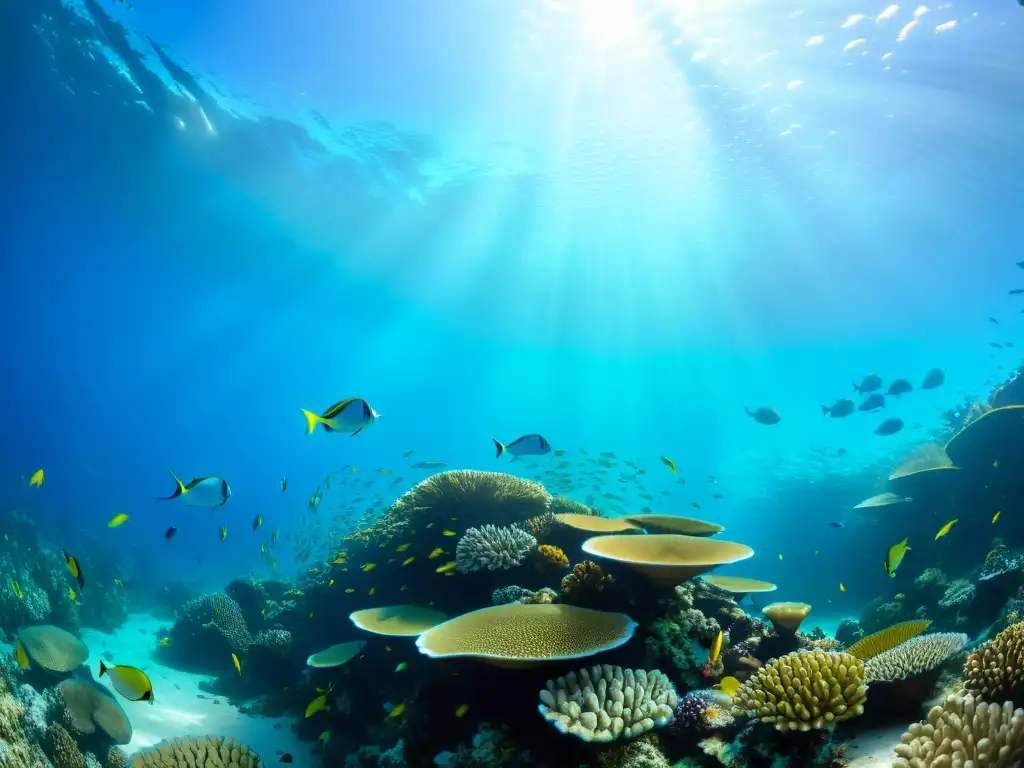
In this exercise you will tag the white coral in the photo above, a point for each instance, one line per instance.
(492, 548)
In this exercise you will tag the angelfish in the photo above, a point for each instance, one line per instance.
(208, 492)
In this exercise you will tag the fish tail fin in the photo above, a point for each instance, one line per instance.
(825, 410)
(103, 668)
(356, 432)
(312, 420)
(498, 448)
(748, 411)
(178, 489)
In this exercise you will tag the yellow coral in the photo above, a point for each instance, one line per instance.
(886, 639)
(209, 751)
(995, 672)
(553, 555)
(804, 690)
(964, 732)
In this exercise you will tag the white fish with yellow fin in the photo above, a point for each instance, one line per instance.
(207, 492)
(351, 415)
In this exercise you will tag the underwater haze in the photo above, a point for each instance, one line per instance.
(624, 225)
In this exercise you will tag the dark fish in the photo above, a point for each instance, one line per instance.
(995, 345)
(873, 402)
(842, 451)
(839, 409)
(869, 383)
(837, 525)
(284, 484)
(1017, 291)
(934, 378)
(1020, 264)
(75, 568)
(993, 321)
(286, 757)
(764, 415)
(889, 427)
(900, 387)
(169, 534)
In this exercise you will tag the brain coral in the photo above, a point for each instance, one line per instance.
(200, 752)
(996, 670)
(492, 548)
(605, 703)
(914, 657)
(804, 690)
(965, 733)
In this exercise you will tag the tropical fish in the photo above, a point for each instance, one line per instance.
(716, 649)
(352, 415)
(130, 682)
(869, 383)
(349, 590)
(16, 589)
(169, 533)
(397, 711)
(407, 454)
(401, 666)
(402, 547)
(257, 522)
(21, 655)
(780, 555)
(368, 567)
(408, 561)
(72, 594)
(836, 524)
(237, 663)
(728, 685)
(448, 533)
(74, 568)
(36, 481)
(670, 464)
(889, 427)
(895, 556)
(284, 484)
(839, 409)
(842, 587)
(447, 568)
(933, 379)
(119, 519)
(325, 736)
(945, 529)
(436, 552)
(314, 501)
(429, 464)
(995, 517)
(274, 535)
(527, 445)
(899, 387)
(319, 704)
(207, 492)
(164, 642)
(764, 415)
(119, 583)
(872, 402)
(461, 710)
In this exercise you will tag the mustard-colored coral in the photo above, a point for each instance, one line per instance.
(62, 749)
(201, 752)
(804, 690)
(586, 578)
(887, 639)
(964, 732)
(995, 672)
(553, 556)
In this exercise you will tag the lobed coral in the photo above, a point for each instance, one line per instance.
(804, 690)
(492, 548)
(914, 657)
(200, 752)
(995, 671)
(964, 732)
(606, 703)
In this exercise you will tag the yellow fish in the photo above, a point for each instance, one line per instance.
(397, 711)
(842, 587)
(37, 479)
(330, 583)
(461, 710)
(945, 529)
(119, 519)
(436, 552)
(223, 532)
(237, 663)
(74, 568)
(21, 655)
(670, 464)
(369, 566)
(780, 555)
(996, 517)
(448, 567)
(372, 592)
(119, 583)
(339, 560)
(448, 533)
(716, 649)
(401, 547)
(728, 685)
(16, 589)
(164, 641)
(387, 648)
(408, 561)
(895, 556)
(319, 704)
(130, 682)
(71, 594)
(349, 590)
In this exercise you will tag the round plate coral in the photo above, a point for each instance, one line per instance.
(665, 557)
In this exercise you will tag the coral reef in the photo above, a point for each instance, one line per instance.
(700, 712)
(492, 548)
(584, 584)
(914, 657)
(509, 594)
(886, 639)
(958, 595)
(804, 690)
(552, 556)
(995, 672)
(207, 631)
(606, 703)
(200, 752)
(62, 749)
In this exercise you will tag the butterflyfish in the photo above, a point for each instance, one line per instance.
(237, 663)
(670, 464)
(945, 529)
(352, 415)
(37, 479)
(21, 655)
(527, 445)
(895, 556)
(119, 519)
(74, 568)
(207, 492)
(716, 649)
(130, 682)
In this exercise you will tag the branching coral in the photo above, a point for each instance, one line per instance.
(492, 548)
(804, 690)
(914, 657)
(958, 595)
(964, 732)
(995, 671)
(586, 579)
(510, 594)
(553, 556)
(201, 752)
(606, 703)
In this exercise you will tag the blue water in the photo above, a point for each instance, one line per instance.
(617, 224)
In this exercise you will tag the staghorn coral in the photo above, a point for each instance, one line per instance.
(585, 580)
(561, 505)
(606, 703)
(995, 671)
(700, 712)
(958, 595)
(914, 657)
(804, 690)
(62, 749)
(553, 556)
(200, 752)
(964, 732)
(492, 548)
(886, 639)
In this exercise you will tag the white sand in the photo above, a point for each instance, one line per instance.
(177, 711)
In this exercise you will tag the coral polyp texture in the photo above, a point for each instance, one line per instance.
(995, 672)
(201, 752)
(914, 657)
(53, 648)
(553, 556)
(492, 548)
(701, 712)
(587, 578)
(605, 703)
(886, 639)
(964, 733)
(804, 690)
